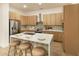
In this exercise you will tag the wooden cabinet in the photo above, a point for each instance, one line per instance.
(71, 29)
(58, 36)
(58, 19)
(28, 20)
(53, 19)
(52, 16)
(13, 15)
(32, 20)
(61, 15)
(24, 20)
(46, 19)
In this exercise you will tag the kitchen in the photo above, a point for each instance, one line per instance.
(42, 22)
(39, 29)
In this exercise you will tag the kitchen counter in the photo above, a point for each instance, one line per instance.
(37, 37)
(54, 30)
(43, 31)
(58, 34)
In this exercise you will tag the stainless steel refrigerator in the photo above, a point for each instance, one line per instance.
(14, 26)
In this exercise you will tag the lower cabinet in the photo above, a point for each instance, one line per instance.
(58, 36)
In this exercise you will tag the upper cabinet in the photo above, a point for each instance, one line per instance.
(59, 19)
(32, 20)
(46, 19)
(13, 15)
(53, 19)
(28, 20)
(24, 20)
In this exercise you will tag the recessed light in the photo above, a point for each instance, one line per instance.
(40, 3)
(74, 3)
(25, 6)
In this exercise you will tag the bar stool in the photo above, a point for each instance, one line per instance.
(13, 45)
(24, 47)
(39, 51)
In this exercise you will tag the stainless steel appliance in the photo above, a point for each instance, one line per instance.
(14, 26)
(39, 25)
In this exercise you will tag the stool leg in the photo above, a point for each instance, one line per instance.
(15, 51)
(25, 52)
(9, 50)
(31, 51)
(20, 54)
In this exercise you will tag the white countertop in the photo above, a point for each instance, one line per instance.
(54, 30)
(35, 37)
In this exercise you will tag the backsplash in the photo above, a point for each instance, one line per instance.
(27, 27)
(55, 27)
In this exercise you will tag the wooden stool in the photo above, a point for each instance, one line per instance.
(13, 45)
(39, 51)
(24, 47)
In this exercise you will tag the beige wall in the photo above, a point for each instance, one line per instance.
(4, 25)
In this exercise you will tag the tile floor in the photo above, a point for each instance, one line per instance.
(57, 50)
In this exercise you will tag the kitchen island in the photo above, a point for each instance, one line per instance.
(37, 37)
(58, 34)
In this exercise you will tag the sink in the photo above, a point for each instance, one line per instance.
(29, 33)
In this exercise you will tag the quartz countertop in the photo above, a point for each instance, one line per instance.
(54, 30)
(37, 37)
(44, 30)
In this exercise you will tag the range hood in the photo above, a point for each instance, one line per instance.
(39, 24)
(40, 17)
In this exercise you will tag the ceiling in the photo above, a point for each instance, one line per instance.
(35, 6)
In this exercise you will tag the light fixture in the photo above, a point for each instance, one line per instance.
(40, 3)
(25, 6)
(74, 3)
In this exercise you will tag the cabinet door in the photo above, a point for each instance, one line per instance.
(34, 18)
(24, 20)
(58, 36)
(48, 19)
(61, 15)
(44, 19)
(71, 29)
(29, 20)
(58, 19)
(55, 36)
(52, 19)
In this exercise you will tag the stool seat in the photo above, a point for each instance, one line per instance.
(25, 46)
(14, 44)
(39, 51)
